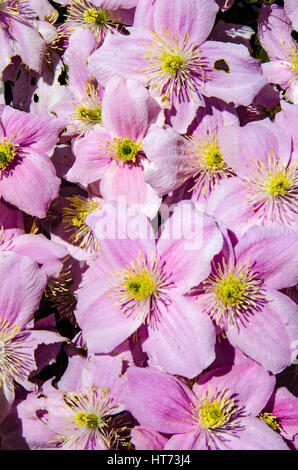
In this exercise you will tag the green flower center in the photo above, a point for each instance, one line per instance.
(211, 415)
(86, 114)
(270, 419)
(277, 185)
(90, 421)
(7, 153)
(230, 290)
(213, 159)
(98, 17)
(140, 286)
(126, 149)
(172, 63)
(79, 219)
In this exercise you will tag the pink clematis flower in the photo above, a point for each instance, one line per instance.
(83, 414)
(140, 283)
(98, 17)
(112, 155)
(27, 176)
(281, 414)
(267, 186)
(219, 413)
(196, 161)
(287, 120)
(241, 296)
(167, 51)
(21, 287)
(79, 104)
(47, 254)
(19, 36)
(274, 32)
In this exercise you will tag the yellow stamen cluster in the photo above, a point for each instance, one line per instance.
(272, 189)
(125, 149)
(87, 112)
(139, 286)
(74, 215)
(271, 420)
(217, 412)
(234, 293)
(171, 63)
(59, 291)
(205, 164)
(99, 17)
(8, 153)
(293, 58)
(14, 362)
(175, 65)
(90, 419)
(84, 14)
(230, 290)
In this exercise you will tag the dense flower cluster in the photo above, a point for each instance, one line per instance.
(148, 224)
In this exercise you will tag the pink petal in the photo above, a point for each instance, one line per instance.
(243, 71)
(188, 243)
(252, 384)
(37, 173)
(125, 181)
(45, 252)
(165, 150)
(146, 439)
(103, 324)
(182, 339)
(192, 440)
(131, 119)
(158, 400)
(256, 435)
(21, 286)
(272, 248)
(267, 336)
(91, 157)
(193, 18)
(37, 132)
(286, 410)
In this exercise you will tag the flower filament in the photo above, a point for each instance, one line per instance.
(88, 110)
(8, 153)
(74, 215)
(271, 420)
(15, 359)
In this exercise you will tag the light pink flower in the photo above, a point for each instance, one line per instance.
(19, 35)
(219, 413)
(140, 283)
(274, 32)
(27, 176)
(241, 295)
(167, 51)
(267, 185)
(112, 155)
